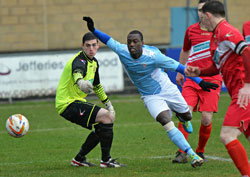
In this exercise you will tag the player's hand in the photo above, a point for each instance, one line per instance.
(85, 86)
(109, 107)
(208, 85)
(179, 79)
(90, 23)
(192, 71)
(244, 96)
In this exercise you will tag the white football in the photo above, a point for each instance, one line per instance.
(17, 125)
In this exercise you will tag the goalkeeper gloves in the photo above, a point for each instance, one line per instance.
(85, 86)
(208, 85)
(109, 107)
(90, 23)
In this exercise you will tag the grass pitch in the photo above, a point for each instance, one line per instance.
(139, 142)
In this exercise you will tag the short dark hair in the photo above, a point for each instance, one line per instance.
(214, 7)
(202, 1)
(136, 32)
(88, 36)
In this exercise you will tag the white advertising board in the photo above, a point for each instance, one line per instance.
(37, 74)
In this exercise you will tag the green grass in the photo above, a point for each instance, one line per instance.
(139, 141)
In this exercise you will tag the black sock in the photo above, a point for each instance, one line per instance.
(105, 133)
(89, 144)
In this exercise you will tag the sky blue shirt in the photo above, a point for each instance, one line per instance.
(146, 72)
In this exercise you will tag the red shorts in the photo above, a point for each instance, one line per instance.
(238, 117)
(198, 98)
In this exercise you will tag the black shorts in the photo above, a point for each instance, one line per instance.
(81, 113)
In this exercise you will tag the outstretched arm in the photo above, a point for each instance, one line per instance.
(194, 71)
(181, 69)
(209, 71)
(170, 64)
(100, 35)
(204, 85)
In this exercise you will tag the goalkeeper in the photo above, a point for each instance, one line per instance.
(145, 66)
(79, 78)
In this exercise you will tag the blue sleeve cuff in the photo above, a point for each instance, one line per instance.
(102, 36)
(181, 69)
(195, 79)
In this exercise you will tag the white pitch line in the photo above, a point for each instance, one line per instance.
(116, 125)
(170, 156)
(52, 104)
(128, 158)
(70, 128)
(219, 158)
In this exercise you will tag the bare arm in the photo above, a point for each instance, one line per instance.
(184, 56)
(183, 60)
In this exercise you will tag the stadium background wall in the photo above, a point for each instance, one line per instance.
(42, 25)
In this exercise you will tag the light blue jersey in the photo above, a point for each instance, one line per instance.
(146, 72)
(158, 92)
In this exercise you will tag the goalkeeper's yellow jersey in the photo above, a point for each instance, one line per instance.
(78, 67)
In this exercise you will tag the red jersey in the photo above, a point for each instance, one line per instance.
(246, 32)
(197, 41)
(226, 44)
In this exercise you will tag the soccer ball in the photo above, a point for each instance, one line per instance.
(17, 125)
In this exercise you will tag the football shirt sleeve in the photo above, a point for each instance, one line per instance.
(110, 42)
(246, 61)
(209, 71)
(235, 41)
(187, 42)
(101, 35)
(172, 65)
(99, 91)
(79, 69)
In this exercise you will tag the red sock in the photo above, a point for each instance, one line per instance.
(204, 135)
(239, 156)
(180, 127)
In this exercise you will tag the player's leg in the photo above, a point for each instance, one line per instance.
(90, 143)
(83, 114)
(204, 132)
(208, 104)
(185, 119)
(236, 121)
(177, 103)
(235, 149)
(181, 156)
(160, 111)
(104, 130)
(189, 93)
(177, 138)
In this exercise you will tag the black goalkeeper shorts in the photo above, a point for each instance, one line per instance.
(81, 113)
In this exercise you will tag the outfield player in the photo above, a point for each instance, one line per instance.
(196, 52)
(79, 78)
(231, 57)
(144, 65)
(246, 32)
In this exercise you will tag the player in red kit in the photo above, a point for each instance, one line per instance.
(246, 32)
(196, 52)
(231, 57)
